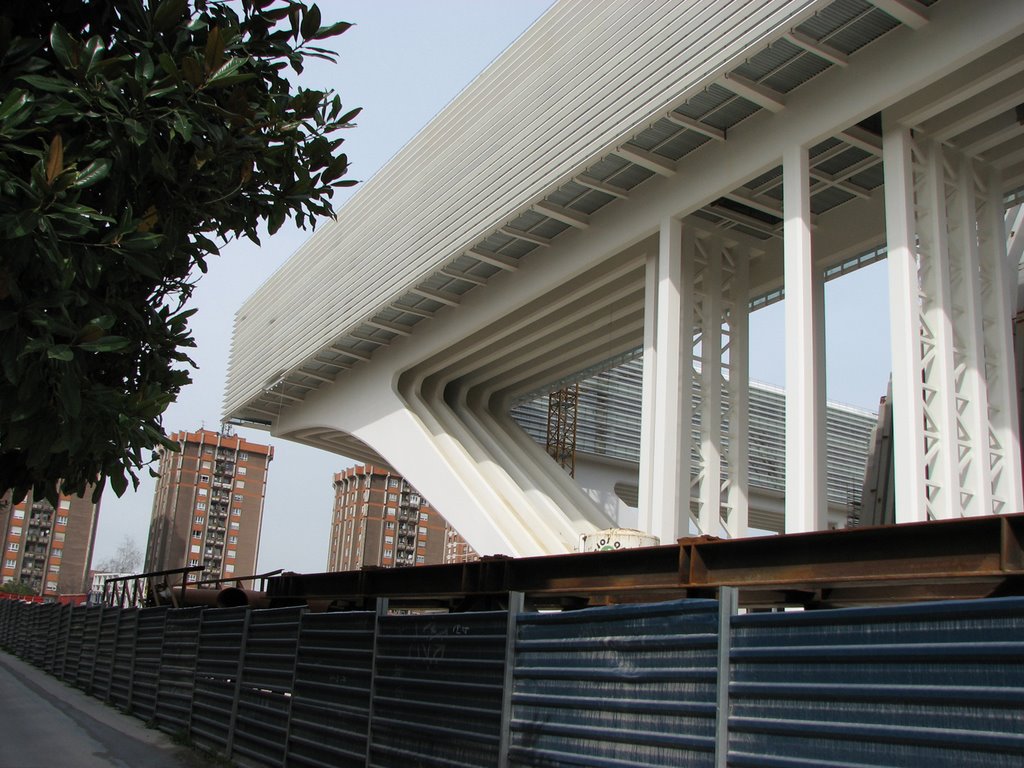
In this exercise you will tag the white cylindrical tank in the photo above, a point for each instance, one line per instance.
(611, 539)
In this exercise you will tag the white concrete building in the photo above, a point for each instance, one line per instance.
(630, 174)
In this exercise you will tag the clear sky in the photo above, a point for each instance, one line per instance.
(403, 62)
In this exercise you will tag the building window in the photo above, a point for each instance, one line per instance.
(51, 586)
(204, 478)
(243, 456)
(236, 512)
(421, 559)
(200, 520)
(55, 568)
(229, 568)
(62, 519)
(193, 561)
(15, 530)
(232, 539)
(239, 484)
(423, 531)
(195, 549)
(206, 465)
(387, 553)
(424, 516)
(13, 546)
(238, 497)
(208, 450)
(201, 506)
(391, 525)
(235, 525)
(19, 514)
(59, 536)
(202, 491)
(392, 482)
(392, 497)
(57, 553)
(241, 471)
(10, 563)
(232, 553)
(389, 539)
(65, 503)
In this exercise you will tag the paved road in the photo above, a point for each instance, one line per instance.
(47, 724)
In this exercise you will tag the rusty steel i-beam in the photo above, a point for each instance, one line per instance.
(948, 559)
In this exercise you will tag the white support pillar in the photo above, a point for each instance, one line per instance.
(710, 491)
(738, 387)
(648, 416)
(805, 429)
(969, 341)
(937, 358)
(670, 457)
(904, 328)
(1004, 434)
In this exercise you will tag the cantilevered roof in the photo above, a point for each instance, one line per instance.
(597, 97)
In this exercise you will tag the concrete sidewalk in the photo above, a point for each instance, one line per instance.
(47, 724)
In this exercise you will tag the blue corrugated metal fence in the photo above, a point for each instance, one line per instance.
(936, 685)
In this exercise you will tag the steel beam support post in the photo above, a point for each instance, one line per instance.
(515, 607)
(381, 611)
(727, 608)
(805, 427)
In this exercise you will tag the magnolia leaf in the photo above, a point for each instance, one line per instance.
(55, 159)
(64, 47)
(106, 344)
(310, 22)
(226, 69)
(95, 171)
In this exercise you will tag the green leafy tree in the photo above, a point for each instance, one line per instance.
(135, 140)
(17, 588)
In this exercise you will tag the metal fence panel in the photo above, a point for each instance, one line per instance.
(124, 655)
(73, 649)
(148, 644)
(60, 651)
(177, 670)
(49, 640)
(6, 622)
(35, 648)
(438, 683)
(105, 647)
(938, 685)
(616, 686)
(88, 647)
(268, 675)
(218, 657)
(330, 712)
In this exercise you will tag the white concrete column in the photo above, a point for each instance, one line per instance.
(670, 460)
(904, 325)
(968, 329)
(805, 428)
(738, 387)
(710, 491)
(1004, 437)
(937, 364)
(648, 395)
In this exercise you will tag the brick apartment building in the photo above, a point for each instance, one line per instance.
(208, 506)
(381, 520)
(46, 548)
